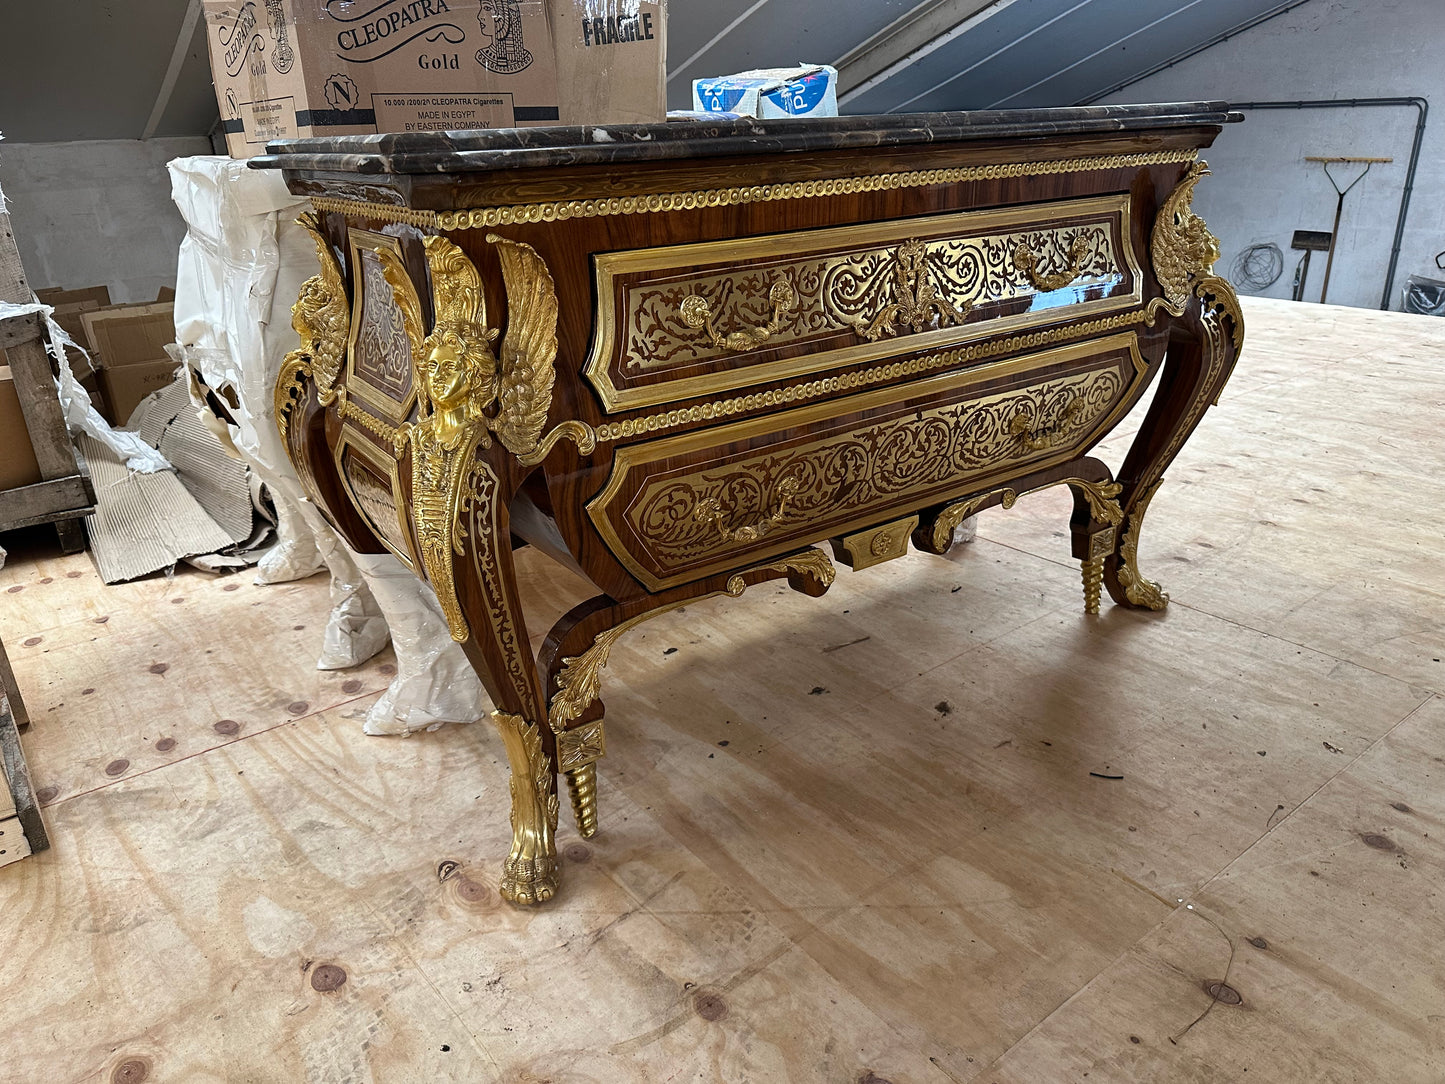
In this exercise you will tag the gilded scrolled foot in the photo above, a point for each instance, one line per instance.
(1138, 591)
(582, 786)
(1093, 583)
(529, 875)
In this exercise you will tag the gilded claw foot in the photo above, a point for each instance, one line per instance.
(529, 875)
(528, 881)
(582, 786)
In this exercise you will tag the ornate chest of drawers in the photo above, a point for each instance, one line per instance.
(677, 357)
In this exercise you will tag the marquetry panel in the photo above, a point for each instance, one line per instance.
(373, 483)
(378, 355)
(682, 321)
(689, 506)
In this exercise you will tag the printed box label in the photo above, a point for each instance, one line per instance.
(440, 112)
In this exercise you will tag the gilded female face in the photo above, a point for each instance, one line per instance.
(448, 374)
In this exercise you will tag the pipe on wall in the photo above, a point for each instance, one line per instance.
(1423, 110)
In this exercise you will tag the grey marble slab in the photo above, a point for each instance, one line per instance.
(549, 147)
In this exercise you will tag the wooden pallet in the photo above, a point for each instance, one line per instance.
(21, 830)
(64, 495)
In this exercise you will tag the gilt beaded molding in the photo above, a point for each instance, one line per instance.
(656, 203)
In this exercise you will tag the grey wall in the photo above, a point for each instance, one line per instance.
(95, 212)
(1263, 190)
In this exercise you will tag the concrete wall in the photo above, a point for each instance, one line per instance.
(96, 212)
(1264, 190)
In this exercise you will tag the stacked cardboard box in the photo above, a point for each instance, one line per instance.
(290, 68)
(128, 344)
(17, 458)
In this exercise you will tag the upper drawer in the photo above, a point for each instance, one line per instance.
(684, 321)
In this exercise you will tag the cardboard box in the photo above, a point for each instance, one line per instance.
(770, 93)
(126, 385)
(17, 458)
(294, 68)
(129, 342)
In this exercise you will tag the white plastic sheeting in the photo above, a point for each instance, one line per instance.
(80, 415)
(241, 265)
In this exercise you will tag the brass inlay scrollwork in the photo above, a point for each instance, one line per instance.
(1046, 436)
(379, 367)
(529, 874)
(916, 302)
(656, 203)
(851, 476)
(321, 317)
(697, 313)
(1027, 261)
(866, 468)
(709, 510)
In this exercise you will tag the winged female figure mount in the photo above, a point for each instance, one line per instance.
(466, 393)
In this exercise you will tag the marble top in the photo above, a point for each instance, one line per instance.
(516, 148)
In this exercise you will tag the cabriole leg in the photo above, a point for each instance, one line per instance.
(494, 636)
(1206, 333)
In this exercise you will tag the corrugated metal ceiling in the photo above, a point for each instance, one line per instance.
(107, 69)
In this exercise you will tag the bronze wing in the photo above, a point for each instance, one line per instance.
(529, 349)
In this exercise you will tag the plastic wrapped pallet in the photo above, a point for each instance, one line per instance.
(241, 264)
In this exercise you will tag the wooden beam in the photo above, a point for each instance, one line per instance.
(45, 502)
(19, 329)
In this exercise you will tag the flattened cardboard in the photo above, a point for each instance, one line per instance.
(216, 480)
(142, 522)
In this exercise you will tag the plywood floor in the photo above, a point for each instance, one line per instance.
(854, 839)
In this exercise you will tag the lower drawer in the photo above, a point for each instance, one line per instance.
(703, 503)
